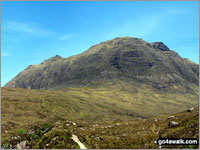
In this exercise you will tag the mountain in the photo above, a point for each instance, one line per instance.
(125, 59)
(117, 94)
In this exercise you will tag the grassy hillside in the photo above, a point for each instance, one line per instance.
(22, 108)
(118, 134)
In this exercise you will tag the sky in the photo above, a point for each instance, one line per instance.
(32, 32)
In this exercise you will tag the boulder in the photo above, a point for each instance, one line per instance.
(67, 124)
(171, 117)
(21, 145)
(190, 109)
(155, 119)
(117, 124)
(172, 124)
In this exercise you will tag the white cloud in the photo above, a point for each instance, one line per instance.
(66, 36)
(27, 28)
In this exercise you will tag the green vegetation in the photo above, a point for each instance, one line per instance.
(34, 136)
(83, 115)
(46, 125)
(21, 132)
(6, 146)
(38, 131)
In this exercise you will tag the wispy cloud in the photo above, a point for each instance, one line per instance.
(27, 28)
(66, 37)
(5, 54)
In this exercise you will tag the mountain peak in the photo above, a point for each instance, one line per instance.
(126, 38)
(160, 45)
(57, 56)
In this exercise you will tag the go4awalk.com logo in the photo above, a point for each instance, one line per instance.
(177, 141)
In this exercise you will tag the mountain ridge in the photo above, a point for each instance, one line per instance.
(122, 58)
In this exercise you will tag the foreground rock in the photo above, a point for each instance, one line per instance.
(75, 138)
(190, 109)
(21, 145)
(171, 117)
(173, 124)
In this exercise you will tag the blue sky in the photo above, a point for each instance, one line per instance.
(34, 31)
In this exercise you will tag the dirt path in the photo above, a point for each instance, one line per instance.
(75, 138)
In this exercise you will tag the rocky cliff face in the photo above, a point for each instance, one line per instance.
(161, 46)
(122, 59)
